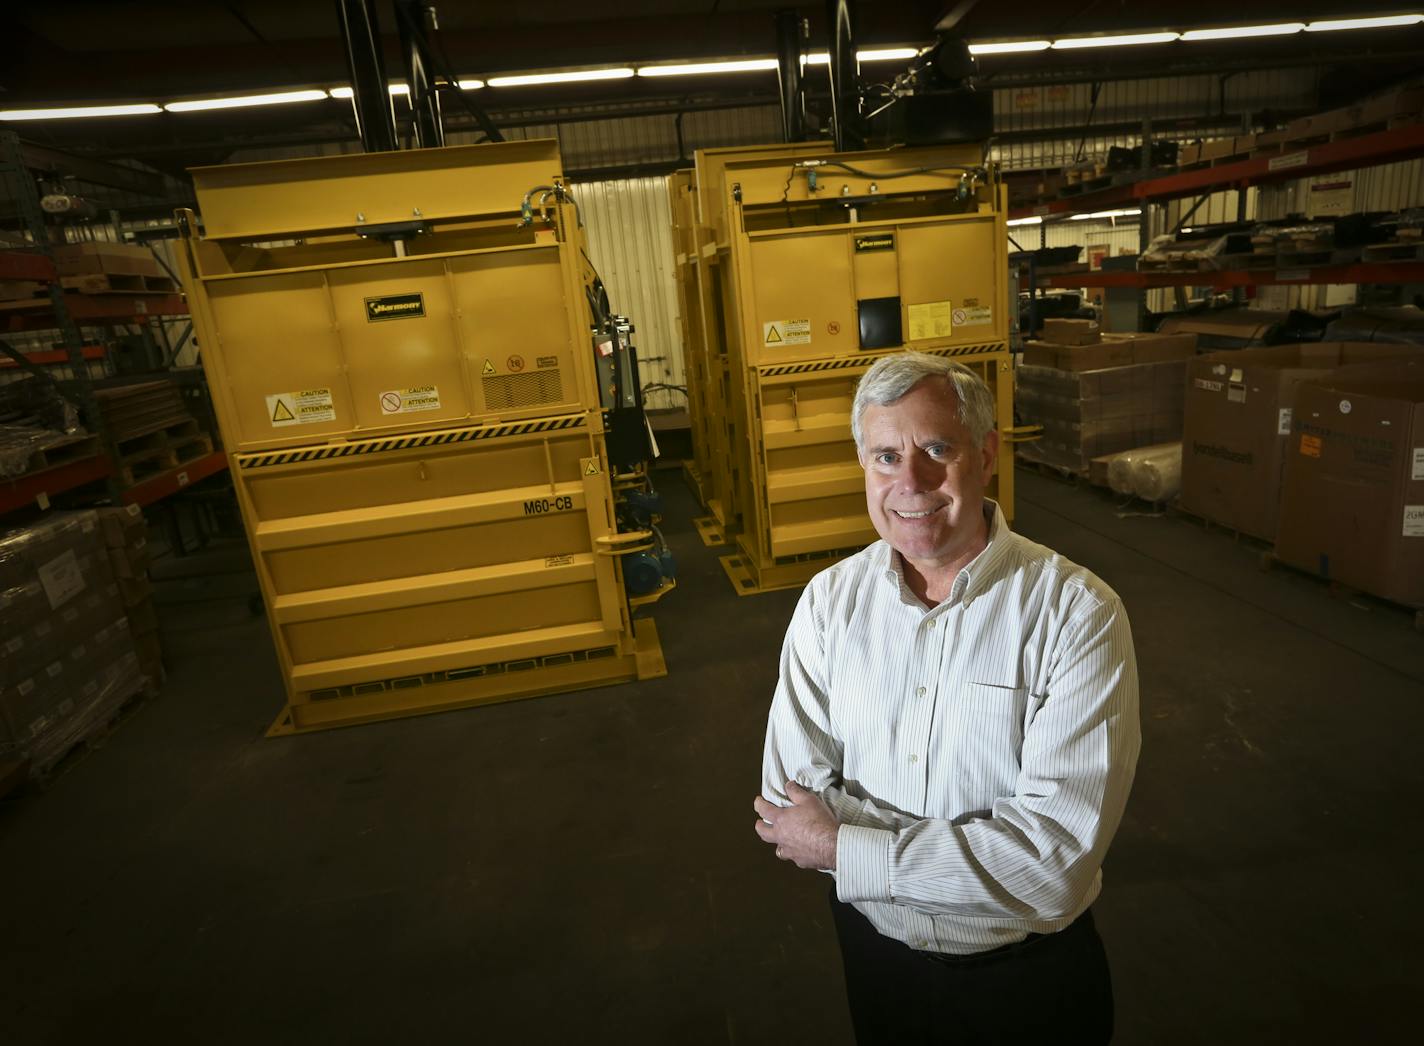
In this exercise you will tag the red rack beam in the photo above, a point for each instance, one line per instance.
(38, 487)
(26, 265)
(91, 352)
(1400, 143)
(166, 484)
(91, 308)
(1364, 272)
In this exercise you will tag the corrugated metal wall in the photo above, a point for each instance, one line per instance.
(630, 242)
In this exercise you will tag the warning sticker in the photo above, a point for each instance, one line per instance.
(308, 407)
(410, 401)
(591, 469)
(558, 561)
(1414, 521)
(1310, 445)
(1416, 468)
(973, 316)
(1283, 421)
(488, 368)
(931, 319)
(786, 332)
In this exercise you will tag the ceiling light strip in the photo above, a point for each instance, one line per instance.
(79, 111)
(244, 101)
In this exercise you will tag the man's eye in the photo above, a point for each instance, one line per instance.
(885, 459)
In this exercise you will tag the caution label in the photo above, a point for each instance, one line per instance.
(488, 368)
(931, 319)
(410, 401)
(308, 407)
(972, 316)
(786, 332)
(591, 469)
(1310, 445)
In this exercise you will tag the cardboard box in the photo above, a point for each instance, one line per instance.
(1215, 150)
(1237, 422)
(1114, 350)
(123, 526)
(1086, 414)
(1352, 505)
(1071, 332)
(121, 259)
(1398, 102)
(1226, 328)
(1189, 153)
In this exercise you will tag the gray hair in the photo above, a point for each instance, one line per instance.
(893, 376)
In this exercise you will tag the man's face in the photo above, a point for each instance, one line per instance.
(924, 478)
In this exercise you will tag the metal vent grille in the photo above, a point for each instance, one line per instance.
(523, 390)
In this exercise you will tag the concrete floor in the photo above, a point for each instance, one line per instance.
(582, 868)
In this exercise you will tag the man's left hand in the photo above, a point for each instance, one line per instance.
(803, 833)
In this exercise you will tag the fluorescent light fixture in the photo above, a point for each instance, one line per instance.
(1384, 21)
(1010, 47)
(1035, 220)
(1130, 212)
(470, 85)
(346, 92)
(77, 111)
(887, 54)
(622, 73)
(1241, 32)
(1127, 40)
(282, 97)
(748, 65)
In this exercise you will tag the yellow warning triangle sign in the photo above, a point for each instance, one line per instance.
(282, 412)
(489, 368)
(591, 469)
(772, 335)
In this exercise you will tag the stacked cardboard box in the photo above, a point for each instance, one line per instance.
(126, 540)
(1237, 422)
(67, 660)
(1122, 392)
(1352, 503)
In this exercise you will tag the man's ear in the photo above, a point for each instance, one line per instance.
(990, 452)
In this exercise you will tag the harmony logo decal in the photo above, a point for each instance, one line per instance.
(395, 307)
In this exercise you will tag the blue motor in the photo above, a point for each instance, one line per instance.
(645, 572)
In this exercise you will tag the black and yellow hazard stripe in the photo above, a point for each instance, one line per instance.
(412, 440)
(848, 362)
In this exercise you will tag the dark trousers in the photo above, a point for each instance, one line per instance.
(1053, 988)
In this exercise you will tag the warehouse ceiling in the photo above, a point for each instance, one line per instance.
(68, 52)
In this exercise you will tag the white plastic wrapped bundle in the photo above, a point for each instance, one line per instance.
(1120, 471)
(1153, 473)
(1157, 472)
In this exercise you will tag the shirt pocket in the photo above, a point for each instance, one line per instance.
(987, 731)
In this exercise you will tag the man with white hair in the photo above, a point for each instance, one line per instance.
(953, 737)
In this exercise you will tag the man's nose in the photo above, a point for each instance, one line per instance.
(919, 472)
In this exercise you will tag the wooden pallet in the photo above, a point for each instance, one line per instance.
(63, 761)
(22, 290)
(145, 464)
(63, 451)
(1399, 251)
(1043, 468)
(117, 283)
(163, 434)
(1207, 523)
(1270, 561)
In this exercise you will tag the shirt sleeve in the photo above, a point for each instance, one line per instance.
(801, 745)
(1037, 853)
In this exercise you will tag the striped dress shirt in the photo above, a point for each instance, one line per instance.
(977, 754)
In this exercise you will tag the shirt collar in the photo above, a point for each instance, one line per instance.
(972, 577)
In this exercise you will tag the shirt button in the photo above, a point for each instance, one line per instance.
(920, 692)
(914, 758)
(932, 622)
